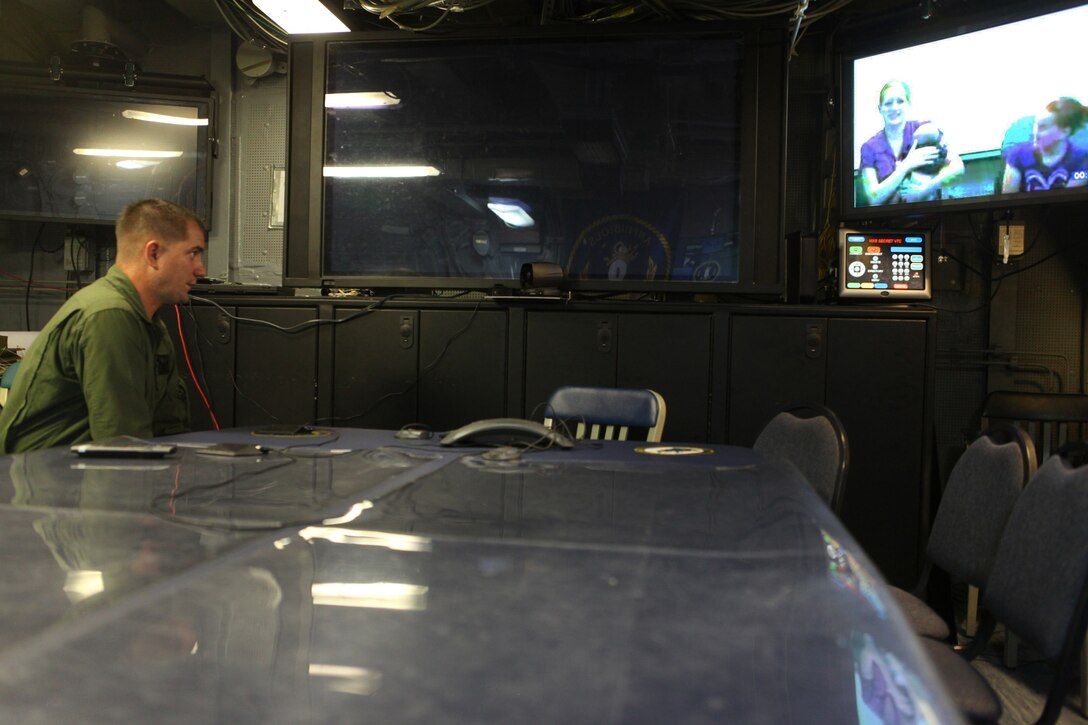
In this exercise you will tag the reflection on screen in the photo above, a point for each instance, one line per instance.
(887, 692)
(994, 112)
(617, 159)
(83, 157)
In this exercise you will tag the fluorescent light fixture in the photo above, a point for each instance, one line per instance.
(396, 542)
(370, 595)
(79, 584)
(513, 213)
(379, 172)
(136, 164)
(162, 118)
(348, 679)
(127, 153)
(368, 99)
(301, 16)
(352, 513)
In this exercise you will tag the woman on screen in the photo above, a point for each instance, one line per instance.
(899, 164)
(1052, 159)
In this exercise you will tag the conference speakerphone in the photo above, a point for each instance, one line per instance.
(884, 264)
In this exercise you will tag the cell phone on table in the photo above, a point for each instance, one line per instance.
(232, 449)
(123, 449)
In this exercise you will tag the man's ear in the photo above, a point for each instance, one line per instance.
(152, 250)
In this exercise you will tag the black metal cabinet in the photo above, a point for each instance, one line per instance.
(249, 368)
(375, 360)
(669, 353)
(205, 351)
(462, 366)
(276, 369)
(438, 367)
(875, 372)
(776, 362)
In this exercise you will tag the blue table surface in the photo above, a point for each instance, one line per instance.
(349, 576)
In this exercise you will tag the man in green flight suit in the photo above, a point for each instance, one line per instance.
(104, 366)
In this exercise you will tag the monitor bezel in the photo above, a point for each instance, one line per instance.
(864, 43)
(886, 294)
(761, 222)
(206, 138)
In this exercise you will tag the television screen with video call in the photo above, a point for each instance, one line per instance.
(990, 117)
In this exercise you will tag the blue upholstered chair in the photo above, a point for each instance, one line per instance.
(812, 438)
(980, 494)
(598, 413)
(1051, 419)
(7, 380)
(1038, 585)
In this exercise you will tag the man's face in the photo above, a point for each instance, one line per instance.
(180, 264)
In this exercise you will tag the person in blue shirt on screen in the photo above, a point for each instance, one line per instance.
(890, 158)
(1052, 159)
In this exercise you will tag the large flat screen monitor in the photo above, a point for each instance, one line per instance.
(627, 158)
(987, 118)
(80, 155)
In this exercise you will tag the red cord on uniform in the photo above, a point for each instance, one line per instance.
(196, 383)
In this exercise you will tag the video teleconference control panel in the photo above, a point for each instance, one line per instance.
(884, 265)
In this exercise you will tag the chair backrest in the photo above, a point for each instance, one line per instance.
(981, 492)
(1051, 419)
(812, 438)
(1037, 586)
(7, 380)
(600, 413)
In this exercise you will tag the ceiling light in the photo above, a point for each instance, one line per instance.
(79, 584)
(370, 595)
(127, 153)
(368, 99)
(298, 17)
(136, 164)
(162, 118)
(379, 172)
(512, 212)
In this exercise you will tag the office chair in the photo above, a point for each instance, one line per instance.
(1051, 419)
(812, 438)
(980, 494)
(599, 413)
(1039, 582)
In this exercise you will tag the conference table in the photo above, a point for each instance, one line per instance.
(346, 575)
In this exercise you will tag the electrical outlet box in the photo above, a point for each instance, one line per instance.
(77, 255)
(948, 274)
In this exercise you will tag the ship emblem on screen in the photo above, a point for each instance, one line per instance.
(1034, 180)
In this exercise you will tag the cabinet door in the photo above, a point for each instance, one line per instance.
(277, 370)
(774, 363)
(876, 385)
(566, 349)
(462, 367)
(669, 354)
(374, 368)
(207, 352)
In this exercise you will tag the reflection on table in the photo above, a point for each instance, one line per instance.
(372, 579)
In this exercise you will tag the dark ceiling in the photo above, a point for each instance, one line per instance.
(31, 31)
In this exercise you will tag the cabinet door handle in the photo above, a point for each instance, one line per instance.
(604, 337)
(814, 340)
(407, 332)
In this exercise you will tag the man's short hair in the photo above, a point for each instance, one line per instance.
(152, 219)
